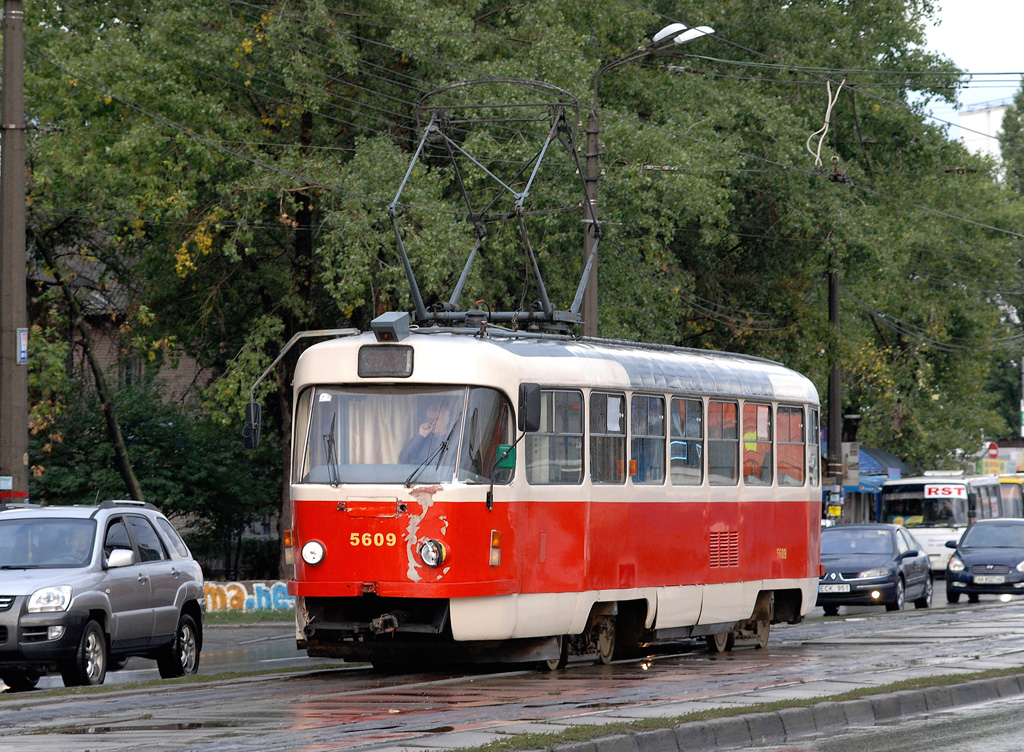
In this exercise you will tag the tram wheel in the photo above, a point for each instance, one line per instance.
(763, 629)
(721, 642)
(563, 656)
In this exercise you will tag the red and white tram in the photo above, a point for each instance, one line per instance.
(480, 494)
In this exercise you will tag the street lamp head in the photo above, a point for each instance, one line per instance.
(681, 33)
(695, 33)
(669, 31)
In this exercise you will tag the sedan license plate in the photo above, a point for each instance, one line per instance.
(834, 588)
(989, 579)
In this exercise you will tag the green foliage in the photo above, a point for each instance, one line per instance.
(1011, 143)
(230, 166)
(191, 468)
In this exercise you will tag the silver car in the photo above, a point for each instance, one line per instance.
(82, 589)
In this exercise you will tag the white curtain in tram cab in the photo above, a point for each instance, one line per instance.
(379, 426)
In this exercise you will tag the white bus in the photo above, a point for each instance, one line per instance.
(938, 506)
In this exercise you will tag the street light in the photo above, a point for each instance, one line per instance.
(677, 34)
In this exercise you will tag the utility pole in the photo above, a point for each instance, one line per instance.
(13, 308)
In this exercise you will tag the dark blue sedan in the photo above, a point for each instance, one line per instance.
(873, 565)
(988, 560)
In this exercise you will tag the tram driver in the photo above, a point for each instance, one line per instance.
(427, 440)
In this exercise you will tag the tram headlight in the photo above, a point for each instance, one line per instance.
(313, 552)
(433, 552)
(955, 564)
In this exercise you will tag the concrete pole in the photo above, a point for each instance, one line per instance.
(13, 308)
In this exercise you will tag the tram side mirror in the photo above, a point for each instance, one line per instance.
(529, 408)
(251, 431)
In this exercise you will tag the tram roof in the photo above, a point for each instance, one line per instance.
(599, 363)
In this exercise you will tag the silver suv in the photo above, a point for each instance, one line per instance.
(82, 589)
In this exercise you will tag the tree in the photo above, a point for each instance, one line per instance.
(1011, 143)
(231, 165)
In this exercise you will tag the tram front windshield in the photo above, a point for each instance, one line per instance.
(391, 435)
(914, 506)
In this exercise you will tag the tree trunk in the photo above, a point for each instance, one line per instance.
(121, 459)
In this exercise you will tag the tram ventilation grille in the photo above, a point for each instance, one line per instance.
(725, 549)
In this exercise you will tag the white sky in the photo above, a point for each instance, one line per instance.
(983, 37)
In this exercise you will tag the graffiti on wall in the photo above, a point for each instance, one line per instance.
(248, 596)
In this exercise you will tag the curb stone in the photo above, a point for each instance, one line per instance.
(754, 730)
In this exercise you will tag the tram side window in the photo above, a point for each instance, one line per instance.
(814, 453)
(686, 449)
(607, 438)
(723, 443)
(757, 444)
(790, 443)
(554, 454)
(488, 426)
(647, 441)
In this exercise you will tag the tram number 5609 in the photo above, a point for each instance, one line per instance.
(377, 540)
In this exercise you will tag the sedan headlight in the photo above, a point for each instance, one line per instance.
(1020, 567)
(50, 599)
(870, 573)
(955, 564)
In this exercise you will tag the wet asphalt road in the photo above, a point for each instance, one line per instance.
(351, 707)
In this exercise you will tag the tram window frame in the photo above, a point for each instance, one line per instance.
(723, 443)
(554, 453)
(647, 439)
(607, 439)
(686, 441)
(758, 462)
(814, 446)
(791, 445)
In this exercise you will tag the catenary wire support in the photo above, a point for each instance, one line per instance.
(445, 121)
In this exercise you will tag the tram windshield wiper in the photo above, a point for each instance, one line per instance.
(438, 453)
(331, 451)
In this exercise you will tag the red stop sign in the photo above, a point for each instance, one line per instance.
(993, 450)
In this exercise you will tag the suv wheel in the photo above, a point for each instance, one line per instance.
(182, 655)
(89, 666)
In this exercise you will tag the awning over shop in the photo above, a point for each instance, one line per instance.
(879, 462)
(876, 467)
(867, 484)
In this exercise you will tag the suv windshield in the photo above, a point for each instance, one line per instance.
(389, 435)
(46, 543)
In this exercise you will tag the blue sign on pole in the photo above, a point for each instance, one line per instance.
(22, 346)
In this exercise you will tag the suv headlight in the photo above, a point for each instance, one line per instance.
(869, 573)
(955, 564)
(56, 598)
